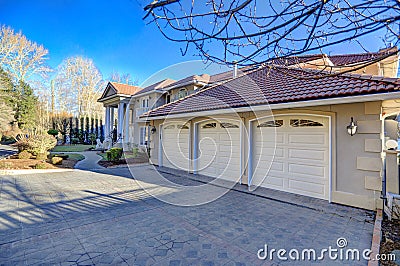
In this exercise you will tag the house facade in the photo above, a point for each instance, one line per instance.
(284, 128)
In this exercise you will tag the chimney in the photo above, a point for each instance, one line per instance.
(235, 69)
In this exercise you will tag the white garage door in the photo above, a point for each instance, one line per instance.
(175, 146)
(219, 149)
(301, 162)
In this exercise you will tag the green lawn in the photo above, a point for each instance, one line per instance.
(104, 155)
(72, 148)
(73, 156)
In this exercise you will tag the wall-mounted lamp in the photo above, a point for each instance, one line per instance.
(153, 130)
(352, 128)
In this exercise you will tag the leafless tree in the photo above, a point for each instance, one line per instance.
(78, 85)
(21, 57)
(125, 78)
(250, 32)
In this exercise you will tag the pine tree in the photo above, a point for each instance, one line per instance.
(26, 106)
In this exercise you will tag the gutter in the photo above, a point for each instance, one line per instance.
(201, 83)
(264, 107)
(147, 93)
(113, 96)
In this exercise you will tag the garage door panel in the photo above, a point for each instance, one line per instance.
(224, 145)
(311, 170)
(270, 137)
(301, 187)
(175, 144)
(265, 152)
(274, 181)
(301, 161)
(312, 139)
(308, 154)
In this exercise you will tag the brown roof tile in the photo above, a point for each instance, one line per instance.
(125, 88)
(277, 85)
(156, 86)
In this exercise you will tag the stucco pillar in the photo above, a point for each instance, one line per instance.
(111, 120)
(127, 120)
(120, 122)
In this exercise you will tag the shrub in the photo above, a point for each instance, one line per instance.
(5, 165)
(41, 165)
(24, 155)
(41, 143)
(22, 144)
(53, 132)
(114, 154)
(56, 160)
(36, 144)
(92, 138)
(74, 141)
(63, 156)
(41, 156)
(135, 152)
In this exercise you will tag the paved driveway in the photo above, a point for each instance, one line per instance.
(6, 150)
(86, 218)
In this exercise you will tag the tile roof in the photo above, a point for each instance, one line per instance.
(204, 78)
(348, 59)
(125, 88)
(293, 60)
(156, 86)
(276, 85)
(115, 88)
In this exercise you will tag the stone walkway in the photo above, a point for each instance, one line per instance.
(90, 162)
(106, 217)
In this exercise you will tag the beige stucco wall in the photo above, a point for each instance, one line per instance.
(356, 160)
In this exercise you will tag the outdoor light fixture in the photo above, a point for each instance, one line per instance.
(153, 130)
(352, 128)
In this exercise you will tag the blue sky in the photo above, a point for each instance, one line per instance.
(112, 33)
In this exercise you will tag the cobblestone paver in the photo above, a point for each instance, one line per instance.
(105, 218)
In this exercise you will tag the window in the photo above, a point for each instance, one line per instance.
(182, 93)
(304, 123)
(271, 123)
(144, 136)
(229, 125)
(145, 102)
(168, 98)
(182, 127)
(169, 127)
(210, 125)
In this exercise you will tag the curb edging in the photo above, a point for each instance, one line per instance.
(376, 239)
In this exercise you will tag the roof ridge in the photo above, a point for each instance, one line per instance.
(201, 91)
(393, 81)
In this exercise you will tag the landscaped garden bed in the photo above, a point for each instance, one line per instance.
(128, 158)
(390, 239)
(14, 163)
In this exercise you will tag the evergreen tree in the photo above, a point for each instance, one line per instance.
(26, 106)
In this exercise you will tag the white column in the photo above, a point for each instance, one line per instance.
(127, 121)
(111, 119)
(107, 124)
(120, 122)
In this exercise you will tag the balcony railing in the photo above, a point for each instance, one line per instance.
(141, 110)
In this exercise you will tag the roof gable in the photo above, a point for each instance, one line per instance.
(114, 88)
